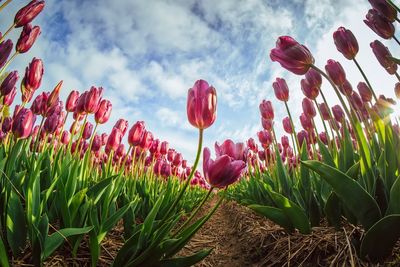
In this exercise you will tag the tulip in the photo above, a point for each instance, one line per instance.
(171, 154)
(104, 138)
(155, 147)
(114, 140)
(26, 14)
(264, 137)
(97, 143)
(302, 136)
(346, 88)
(236, 151)
(384, 9)
(202, 105)
(306, 122)
(335, 71)
(122, 125)
(33, 75)
(223, 171)
(23, 123)
(383, 55)
(314, 78)
(87, 130)
(292, 55)
(146, 140)
(397, 90)
(345, 42)
(323, 137)
(356, 101)
(6, 125)
(120, 151)
(308, 90)
(136, 133)
(177, 161)
(51, 123)
(92, 100)
(103, 113)
(338, 113)
(72, 101)
(287, 126)
(27, 38)
(53, 98)
(285, 141)
(267, 124)
(8, 99)
(308, 108)
(266, 110)
(164, 148)
(9, 83)
(281, 89)
(365, 92)
(379, 24)
(65, 137)
(166, 170)
(39, 104)
(80, 103)
(323, 108)
(5, 51)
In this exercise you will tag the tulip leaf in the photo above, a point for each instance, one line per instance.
(186, 261)
(359, 202)
(3, 254)
(274, 214)
(394, 202)
(16, 224)
(380, 239)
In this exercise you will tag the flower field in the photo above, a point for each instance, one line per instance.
(327, 193)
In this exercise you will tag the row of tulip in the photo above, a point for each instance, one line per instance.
(350, 169)
(59, 185)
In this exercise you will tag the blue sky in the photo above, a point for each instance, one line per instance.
(147, 54)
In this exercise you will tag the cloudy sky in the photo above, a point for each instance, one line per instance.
(147, 54)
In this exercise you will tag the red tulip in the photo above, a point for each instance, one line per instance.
(33, 75)
(397, 90)
(26, 14)
(338, 113)
(103, 113)
(345, 42)
(264, 137)
(80, 103)
(223, 171)
(308, 108)
(8, 99)
(97, 143)
(165, 169)
(87, 130)
(155, 147)
(314, 78)
(114, 140)
(266, 110)
(306, 122)
(39, 104)
(136, 133)
(202, 105)
(65, 137)
(23, 123)
(92, 99)
(164, 148)
(379, 24)
(323, 108)
(384, 9)
(335, 72)
(292, 55)
(146, 140)
(236, 151)
(27, 38)
(346, 88)
(171, 154)
(365, 92)
(9, 83)
(287, 126)
(281, 89)
(356, 101)
(383, 55)
(72, 101)
(267, 124)
(308, 90)
(5, 51)
(122, 125)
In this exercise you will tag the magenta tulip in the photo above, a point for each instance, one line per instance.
(364, 91)
(323, 108)
(65, 137)
(335, 71)
(8, 99)
(103, 113)
(306, 122)
(346, 88)
(266, 110)
(164, 148)
(28, 37)
(136, 133)
(308, 108)
(114, 140)
(379, 24)
(264, 137)
(72, 101)
(5, 51)
(309, 90)
(87, 130)
(26, 14)
(345, 42)
(384, 9)
(281, 89)
(338, 113)
(33, 75)
(92, 99)
(23, 123)
(236, 151)
(314, 78)
(9, 83)
(383, 55)
(287, 126)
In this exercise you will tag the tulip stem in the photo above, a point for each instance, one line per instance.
(9, 29)
(294, 130)
(394, 6)
(397, 76)
(365, 78)
(323, 122)
(397, 40)
(92, 137)
(4, 4)
(8, 63)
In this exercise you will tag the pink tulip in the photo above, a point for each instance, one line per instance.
(28, 37)
(287, 126)
(264, 137)
(292, 55)
(51, 123)
(146, 140)
(356, 101)
(80, 103)
(281, 89)
(308, 108)
(236, 151)
(177, 160)
(87, 130)
(65, 137)
(136, 133)
(114, 140)
(302, 136)
(266, 110)
(171, 154)
(103, 113)
(53, 98)
(335, 72)
(379, 24)
(346, 88)
(8, 99)
(384, 9)
(314, 78)
(26, 14)
(223, 171)
(9, 83)
(92, 99)
(308, 90)
(5, 51)
(72, 100)
(202, 105)
(39, 104)
(97, 143)
(383, 55)
(323, 137)
(323, 108)
(164, 148)
(345, 42)
(338, 113)
(365, 92)
(155, 147)
(33, 75)
(252, 145)
(267, 124)
(23, 123)
(285, 141)
(306, 122)
(122, 125)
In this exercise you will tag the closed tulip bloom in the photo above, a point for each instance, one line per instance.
(6, 125)
(103, 113)
(5, 51)
(356, 101)
(306, 122)
(335, 71)
(104, 138)
(72, 101)
(9, 83)
(26, 14)
(285, 141)
(287, 126)
(80, 103)
(346, 88)
(223, 171)
(33, 75)
(164, 148)
(323, 137)
(308, 108)
(39, 104)
(384, 9)
(323, 108)
(51, 123)
(266, 110)
(345, 42)
(171, 154)
(8, 99)
(281, 89)
(23, 123)
(136, 133)
(308, 90)
(155, 147)
(184, 163)
(267, 124)
(252, 145)
(292, 55)
(166, 170)
(364, 91)
(383, 55)
(338, 113)
(146, 140)
(264, 137)
(201, 105)
(53, 98)
(27, 38)
(397, 90)
(302, 136)
(87, 130)
(236, 151)
(177, 160)
(97, 143)
(122, 125)
(114, 139)
(314, 78)
(121, 152)
(379, 24)
(92, 99)
(65, 137)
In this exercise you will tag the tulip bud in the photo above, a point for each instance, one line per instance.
(287, 126)
(39, 104)
(285, 141)
(309, 91)
(264, 137)
(306, 122)
(120, 151)
(384, 9)
(346, 88)
(72, 101)
(92, 99)
(9, 83)
(308, 108)
(23, 123)
(8, 99)
(136, 133)
(5, 51)
(122, 125)
(365, 92)
(146, 140)
(103, 113)
(292, 55)
(356, 101)
(114, 140)
(80, 103)
(338, 113)
(171, 154)
(96, 145)
(379, 24)
(323, 108)
(345, 42)
(266, 110)
(177, 160)
(51, 123)
(53, 98)
(87, 130)
(383, 55)
(184, 163)
(397, 90)
(65, 137)
(323, 137)
(6, 126)
(302, 136)
(281, 89)
(26, 14)
(164, 148)
(335, 71)
(201, 105)
(104, 138)
(252, 144)
(267, 124)
(155, 147)
(314, 78)
(27, 38)
(33, 75)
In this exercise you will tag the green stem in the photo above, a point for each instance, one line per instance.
(9, 29)
(92, 138)
(397, 76)
(365, 78)
(4, 4)
(293, 128)
(8, 63)
(80, 135)
(393, 5)
(397, 41)
(323, 123)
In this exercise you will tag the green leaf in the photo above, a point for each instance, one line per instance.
(380, 239)
(359, 202)
(333, 210)
(111, 221)
(55, 240)
(186, 261)
(394, 202)
(16, 225)
(3, 254)
(274, 214)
